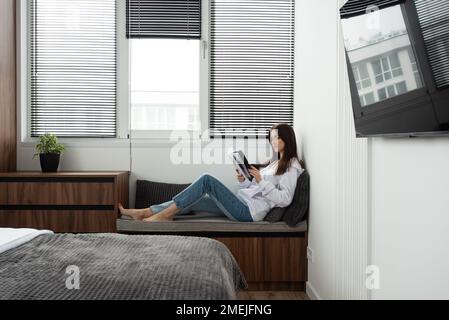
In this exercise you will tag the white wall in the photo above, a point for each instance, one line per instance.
(77, 158)
(159, 164)
(337, 161)
(410, 217)
(315, 112)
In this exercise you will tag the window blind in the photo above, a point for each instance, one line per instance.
(163, 19)
(251, 66)
(73, 68)
(433, 17)
(358, 7)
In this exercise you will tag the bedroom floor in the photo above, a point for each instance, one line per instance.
(272, 295)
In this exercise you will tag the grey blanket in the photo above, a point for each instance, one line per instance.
(114, 266)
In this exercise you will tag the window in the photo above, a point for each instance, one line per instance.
(362, 78)
(73, 67)
(388, 50)
(179, 19)
(74, 64)
(401, 87)
(392, 90)
(165, 64)
(164, 84)
(251, 69)
(387, 68)
(367, 99)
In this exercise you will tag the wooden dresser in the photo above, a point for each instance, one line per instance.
(74, 202)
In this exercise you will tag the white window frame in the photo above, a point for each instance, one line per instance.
(142, 137)
(125, 137)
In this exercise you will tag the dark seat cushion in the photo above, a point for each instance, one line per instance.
(275, 214)
(298, 209)
(150, 192)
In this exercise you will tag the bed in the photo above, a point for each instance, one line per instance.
(38, 264)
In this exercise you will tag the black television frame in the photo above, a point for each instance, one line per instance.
(395, 117)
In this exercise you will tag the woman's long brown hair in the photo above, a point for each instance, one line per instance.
(287, 134)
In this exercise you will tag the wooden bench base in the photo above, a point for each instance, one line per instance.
(271, 263)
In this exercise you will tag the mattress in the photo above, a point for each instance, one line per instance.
(115, 266)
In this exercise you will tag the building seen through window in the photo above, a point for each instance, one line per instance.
(382, 59)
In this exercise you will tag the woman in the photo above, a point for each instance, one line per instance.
(272, 186)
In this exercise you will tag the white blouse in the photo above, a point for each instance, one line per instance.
(272, 191)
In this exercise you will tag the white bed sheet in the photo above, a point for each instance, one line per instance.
(11, 237)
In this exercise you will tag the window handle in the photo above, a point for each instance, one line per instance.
(204, 48)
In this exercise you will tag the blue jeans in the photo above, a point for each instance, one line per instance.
(208, 194)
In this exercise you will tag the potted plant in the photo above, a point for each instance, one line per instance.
(49, 151)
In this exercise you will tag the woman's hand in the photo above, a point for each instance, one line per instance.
(255, 173)
(240, 177)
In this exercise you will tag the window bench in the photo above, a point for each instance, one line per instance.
(272, 256)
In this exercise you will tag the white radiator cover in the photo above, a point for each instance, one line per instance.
(351, 223)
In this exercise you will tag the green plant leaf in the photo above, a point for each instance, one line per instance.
(48, 143)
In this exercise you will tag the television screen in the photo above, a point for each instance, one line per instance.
(397, 54)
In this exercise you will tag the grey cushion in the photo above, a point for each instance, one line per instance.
(205, 223)
(298, 209)
(275, 214)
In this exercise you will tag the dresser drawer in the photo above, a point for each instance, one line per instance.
(77, 221)
(56, 193)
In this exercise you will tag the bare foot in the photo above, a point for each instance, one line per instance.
(137, 214)
(157, 217)
(165, 215)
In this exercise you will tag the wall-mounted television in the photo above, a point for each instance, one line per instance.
(397, 53)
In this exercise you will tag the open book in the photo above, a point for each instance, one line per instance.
(241, 164)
